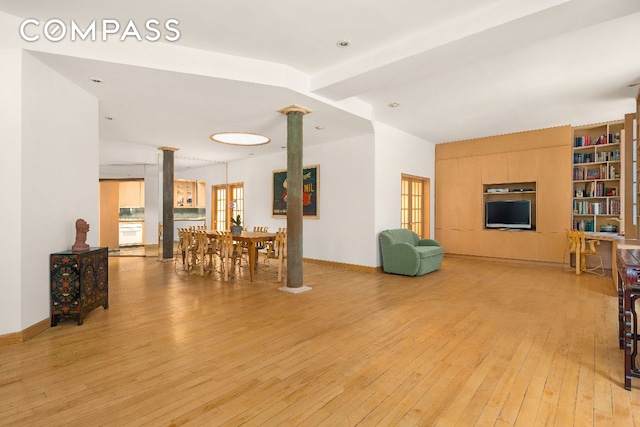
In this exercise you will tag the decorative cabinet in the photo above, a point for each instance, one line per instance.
(597, 168)
(79, 283)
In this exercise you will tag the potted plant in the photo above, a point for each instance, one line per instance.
(236, 224)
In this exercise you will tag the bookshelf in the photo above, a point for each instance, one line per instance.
(597, 169)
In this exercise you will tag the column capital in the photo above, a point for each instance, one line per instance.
(294, 108)
(168, 149)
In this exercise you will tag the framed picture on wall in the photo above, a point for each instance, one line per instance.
(310, 192)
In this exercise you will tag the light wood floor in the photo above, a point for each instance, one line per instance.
(477, 343)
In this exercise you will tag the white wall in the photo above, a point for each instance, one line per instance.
(11, 189)
(59, 177)
(345, 231)
(396, 153)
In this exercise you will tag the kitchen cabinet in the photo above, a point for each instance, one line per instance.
(131, 194)
(189, 193)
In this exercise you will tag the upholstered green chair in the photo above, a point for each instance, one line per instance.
(403, 252)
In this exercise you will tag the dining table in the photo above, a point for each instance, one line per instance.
(251, 238)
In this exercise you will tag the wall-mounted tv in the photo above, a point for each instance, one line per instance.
(514, 214)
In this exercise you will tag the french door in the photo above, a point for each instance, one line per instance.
(227, 200)
(415, 205)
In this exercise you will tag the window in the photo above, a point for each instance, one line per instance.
(224, 207)
(414, 210)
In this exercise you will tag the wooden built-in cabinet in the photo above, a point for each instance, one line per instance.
(465, 170)
(597, 170)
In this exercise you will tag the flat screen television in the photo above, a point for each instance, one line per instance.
(514, 214)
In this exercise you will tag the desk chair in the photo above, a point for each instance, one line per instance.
(581, 247)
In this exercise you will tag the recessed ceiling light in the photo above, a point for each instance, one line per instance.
(108, 117)
(320, 127)
(97, 80)
(394, 104)
(239, 138)
(343, 43)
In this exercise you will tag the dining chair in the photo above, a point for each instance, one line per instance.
(277, 251)
(260, 246)
(181, 250)
(205, 252)
(230, 252)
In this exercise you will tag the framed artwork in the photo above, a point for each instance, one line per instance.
(310, 193)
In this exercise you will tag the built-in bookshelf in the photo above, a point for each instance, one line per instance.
(597, 167)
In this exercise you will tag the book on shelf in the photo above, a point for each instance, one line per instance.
(593, 173)
(585, 225)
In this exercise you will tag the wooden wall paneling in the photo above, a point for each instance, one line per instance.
(109, 214)
(469, 242)
(446, 188)
(523, 166)
(520, 245)
(469, 201)
(554, 193)
(491, 244)
(520, 141)
(495, 168)
(449, 239)
(551, 246)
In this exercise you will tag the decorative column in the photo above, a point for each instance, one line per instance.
(294, 115)
(166, 249)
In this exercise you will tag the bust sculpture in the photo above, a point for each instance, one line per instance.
(81, 236)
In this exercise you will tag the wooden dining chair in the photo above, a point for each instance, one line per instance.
(205, 251)
(181, 253)
(277, 251)
(230, 253)
(261, 246)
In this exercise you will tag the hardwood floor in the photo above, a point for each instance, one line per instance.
(477, 343)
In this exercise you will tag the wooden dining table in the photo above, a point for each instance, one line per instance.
(252, 238)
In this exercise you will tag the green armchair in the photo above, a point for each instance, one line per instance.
(403, 252)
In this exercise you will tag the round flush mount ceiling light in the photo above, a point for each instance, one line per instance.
(239, 138)
(343, 43)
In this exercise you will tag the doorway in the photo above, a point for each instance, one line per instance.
(224, 207)
(415, 205)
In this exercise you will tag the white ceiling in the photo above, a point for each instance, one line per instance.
(458, 69)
